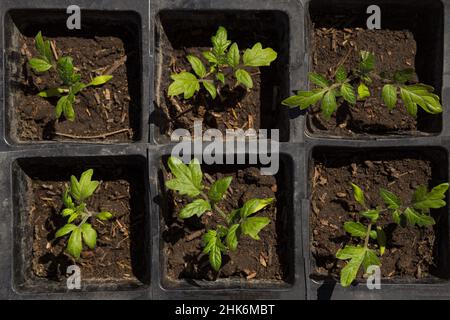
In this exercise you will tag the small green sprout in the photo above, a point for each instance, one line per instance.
(224, 58)
(332, 93)
(76, 210)
(188, 180)
(415, 213)
(71, 80)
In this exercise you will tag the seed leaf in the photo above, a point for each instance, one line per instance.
(39, 65)
(358, 194)
(371, 214)
(105, 215)
(100, 80)
(389, 94)
(363, 91)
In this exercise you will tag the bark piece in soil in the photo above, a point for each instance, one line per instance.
(411, 252)
(266, 259)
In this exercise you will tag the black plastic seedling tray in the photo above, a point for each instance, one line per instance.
(143, 155)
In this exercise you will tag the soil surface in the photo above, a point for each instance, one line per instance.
(237, 107)
(109, 111)
(394, 50)
(410, 251)
(119, 250)
(265, 259)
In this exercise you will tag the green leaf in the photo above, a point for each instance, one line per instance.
(363, 91)
(389, 94)
(410, 105)
(68, 228)
(104, 215)
(214, 247)
(56, 92)
(370, 259)
(415, 218)
(253, 225)
(244, 77)
(233, 217)
(89, 235)
(318, 80)
(254, 205)
(371, 214)
(233, 55)
(100, 80)
(197, 65)
(391, 200)
(430, 200)
(381, 238)
(188, 179)
(403, 76)
(197, 207)
(304, 99)
(421, 95)
(367, 62)
(39, 65)
(75, 245)
(232, 237)
(73, 217)
(356, 229)
(220, 41)
(259, 57)
(341, 74)
(43, 47)
(350, 271)
(184, 83)
(348, 93)
(76, 88)
(221, 77)
(329, 104)
(83, 188)
(67, 200)
(210, 56)
(358, 194)
(65, 70)
(209, 86)
(218, 189)
(67, 212)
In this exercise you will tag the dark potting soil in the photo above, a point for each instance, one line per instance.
(110, 111)
(237, 108)
(264, 259)
(119, 252)
(394, 50)
(411, 251)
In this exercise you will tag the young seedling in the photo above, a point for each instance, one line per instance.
(331, 93)
(78, 214)
(223, 59)
(188, 180)
(416, 212)
(70, 79)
